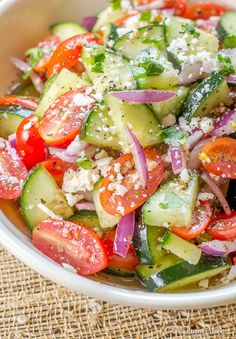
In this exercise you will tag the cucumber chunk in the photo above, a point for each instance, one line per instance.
(9, 123)
(27, 90)
(207, 95)
(183, 32)
(106, 220)
(87, 218)
(163, 76)
(108, 16)
(119, 271)
(147, 244)
(182, 248)
(40, 187)
(171, 106)
(66, 29)
(227, 30)
(132, 43)
(172, 204)
(99, 128)
(114, 70)
(64, 82)
(168, 278)
(139, 117)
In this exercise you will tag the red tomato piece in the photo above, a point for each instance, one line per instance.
(68, 52)
(48, 46)
(71, 244)
(223, 227)
(16, 100)
(57, 168)
(29, 144)
(127, 263)
(204, 11)
(178, 5)
(124, 19)
(219, 157)
(200, 221)
(12, 172)
(63, 119)
(136, 195)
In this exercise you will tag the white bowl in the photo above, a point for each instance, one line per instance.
(22, 24)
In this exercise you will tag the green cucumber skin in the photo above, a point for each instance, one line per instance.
(9, 123)
(66, 29)
(184, 273)
(119, 271)
(87, 218)
(146, 243)
(228, 38)
(197, 107)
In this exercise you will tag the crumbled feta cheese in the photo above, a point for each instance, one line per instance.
(82, 100)
(169, 120)
(184, 175)
(205, 196)
(102, 165)
(79, 181)
(72, 199)
(206, 124)
(204, 283)
(101, 155)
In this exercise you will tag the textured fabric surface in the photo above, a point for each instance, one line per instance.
(33, 307)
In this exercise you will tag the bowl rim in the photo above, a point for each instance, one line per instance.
(12, 239)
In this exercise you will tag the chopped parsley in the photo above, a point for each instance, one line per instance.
(113, 36)
(173, 136)
(116, 4)
(35, 55)
(146, 16)
(227, 68)
(191, 29)
(98, 62)
(149, 68)
(84, 163)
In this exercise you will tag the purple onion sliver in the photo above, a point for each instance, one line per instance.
(216, 190)
(231, 79)
(88, 22)
(139, 156)
(218, 247)
(88, 206)
(225, 124)
(12, 140)
(144, 96)
(124, 234)
(178, 162)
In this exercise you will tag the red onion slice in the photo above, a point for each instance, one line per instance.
(12, 140)
(216, 190)
(218, 247)
(24, 67)
(196, 136)
(89, 206)
(225, 125)
(88, 22)
(144, 96)
(71, 153)
(139, 156)
(178, 162)
(193, 161)
(231, 79)
(124, 234)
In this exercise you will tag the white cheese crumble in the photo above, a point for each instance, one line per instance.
(169, 120)
(82, 100)
(79, 181)
(184, 175)
(206, 124)
(72, 199)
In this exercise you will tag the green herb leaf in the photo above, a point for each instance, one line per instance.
(116, 4)
(98, 62)
(173, 136)
(146, 16)
(34, 55)
(191, 29)
(227, 68)
(163, 205)
(149, 68)
(84, 163)
(113, 36)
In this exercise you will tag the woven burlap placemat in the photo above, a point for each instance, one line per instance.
(33, 307)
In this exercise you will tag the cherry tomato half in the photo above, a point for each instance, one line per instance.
(200, 220)
(219, 157)
(29, 144)
(16, 100)
(48, 46)
(12, 171)
(68, 52)
(63, 119)
(223, 227)
(204, 11)
(127, 263)
(71, 244)
(135, 195)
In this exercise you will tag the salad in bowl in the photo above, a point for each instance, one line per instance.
(118, 143)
